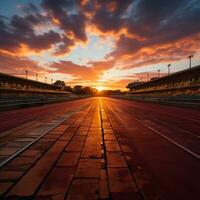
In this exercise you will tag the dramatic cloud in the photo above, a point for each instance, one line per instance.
(20, 31)
(17, 65)
(109, 15)
(91, 73)
(66, 14)
(144, 33)
(159, 22)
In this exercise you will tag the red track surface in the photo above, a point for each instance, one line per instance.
(160, 166)
(14, 118)
(162, 169)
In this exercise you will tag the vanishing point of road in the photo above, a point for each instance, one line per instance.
(100, 148)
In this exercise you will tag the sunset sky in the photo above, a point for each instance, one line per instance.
(100, 43)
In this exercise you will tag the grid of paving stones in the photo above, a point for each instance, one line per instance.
(81, 159)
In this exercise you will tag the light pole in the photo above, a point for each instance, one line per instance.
(36, 76)
(51, 81)
(26, 74)
(158, 73)
(147, 76)
(169, 68)
(45, 79)
(190, 58)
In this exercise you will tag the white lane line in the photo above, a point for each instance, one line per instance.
(170, 140)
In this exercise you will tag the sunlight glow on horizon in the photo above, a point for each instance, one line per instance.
(101, 88)
(98, 47)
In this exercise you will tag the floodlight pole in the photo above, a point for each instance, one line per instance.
(36, 76)
(147, 76)
(169, 68)
(190, 59)
(158, 73)
(26, 71)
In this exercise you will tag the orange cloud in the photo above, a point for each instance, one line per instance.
(17, 65)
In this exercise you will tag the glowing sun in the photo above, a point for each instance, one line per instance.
(100, 88)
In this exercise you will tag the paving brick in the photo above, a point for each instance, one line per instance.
(67, 136)
(96, 129)
(109, 136)
(69, 159)
(106, 125)
(55, 133)
(83, 128)
(20, 163)
(2, 158)
(4, 186)
(79, 138)
(44, 140)
(103, 185)
(123, 140)
(6, 151)
(61, 128)
(95, 125)
(126, 148)
(56, 184)
(51, 136)
(91, 152)
(115, 159)
(75, 146)
(84, 133)
(79, 143)
(95, 132)
(88, 168)
(112, 146)
(31, 152)
(108, 130)
(84, 189)
(10, 175)
(16, 144)
(120, 191)
(42, 145)
(93, 139)
(38, 172)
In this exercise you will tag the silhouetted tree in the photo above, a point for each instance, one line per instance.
(60, 83)
(68, 88)
(89, 90)
(77, 89)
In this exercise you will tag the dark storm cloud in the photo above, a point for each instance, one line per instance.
(164, 17)
(20, 30)
(159, 22)
(26, 23)
(64, 46)
(152, 13)
(68, 15)
(44, 41)
(109, 15)
(147, 23)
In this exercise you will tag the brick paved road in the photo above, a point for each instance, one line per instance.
(99, 152)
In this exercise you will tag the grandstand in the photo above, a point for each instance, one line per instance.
(185, 82)
(8, 82)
